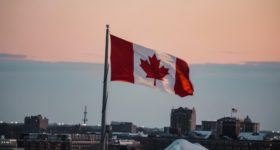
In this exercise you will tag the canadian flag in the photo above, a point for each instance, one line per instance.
(140, 65)
(234, 110)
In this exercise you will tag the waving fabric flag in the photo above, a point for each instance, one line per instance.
(234, 110)
(140, 65)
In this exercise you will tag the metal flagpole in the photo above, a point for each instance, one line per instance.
(105, 95)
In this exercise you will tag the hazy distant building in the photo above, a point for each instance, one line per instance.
(36, 124)
(198, 127)
(209, 125)
(8, 144)
(183, 119)
(248, 126)
(123, 127)
(11, 130)
(73, 129)
(228, 127)
(44, 141)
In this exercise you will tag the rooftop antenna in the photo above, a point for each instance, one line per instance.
(85, 115)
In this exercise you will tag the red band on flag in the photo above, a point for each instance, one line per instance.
(183, 85)
(121, 60)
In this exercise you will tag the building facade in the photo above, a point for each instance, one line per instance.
(128, 127)
(183, 119)
(11, 130)
(209, 125)
(228, 127)
(248, 126)
(36, 124)
(8, 144)
(42, 141)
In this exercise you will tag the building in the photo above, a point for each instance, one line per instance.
(11, 130)
(198, 127)
(35, 124)
(8, 144)
(209, 125)
(166, 130)
(183, 119)
(73, 129)
(228, 127)
(123, 127)
(248, 126)
(43, 141)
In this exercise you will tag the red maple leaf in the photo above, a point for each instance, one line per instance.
(152, 68)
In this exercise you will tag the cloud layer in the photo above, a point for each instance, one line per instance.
(8, 56)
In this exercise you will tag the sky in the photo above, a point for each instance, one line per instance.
(201, 31)
(51, 55)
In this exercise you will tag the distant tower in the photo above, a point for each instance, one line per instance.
(85, 115)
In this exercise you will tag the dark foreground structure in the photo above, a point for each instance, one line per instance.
(161, 143)
(148, 143)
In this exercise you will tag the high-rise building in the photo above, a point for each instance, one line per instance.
(35, 124)
(183, 119)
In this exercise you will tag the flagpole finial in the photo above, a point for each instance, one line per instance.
(107, 26)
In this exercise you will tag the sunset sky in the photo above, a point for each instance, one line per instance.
(52, 53)
(199, 31)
